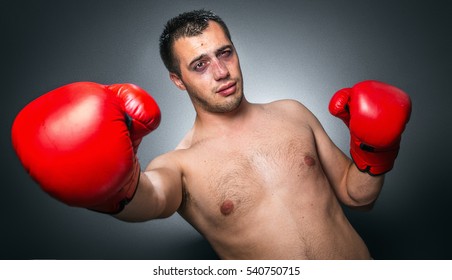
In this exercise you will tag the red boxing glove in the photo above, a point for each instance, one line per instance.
(79, 142)
(376, 114)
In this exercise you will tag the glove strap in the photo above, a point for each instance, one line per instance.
(374, 161)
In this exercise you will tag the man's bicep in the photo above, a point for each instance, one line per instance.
(168, 188)
(334, 161)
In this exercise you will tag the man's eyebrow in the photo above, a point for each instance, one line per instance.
(224, 48)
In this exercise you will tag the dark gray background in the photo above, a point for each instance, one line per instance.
(304, 50)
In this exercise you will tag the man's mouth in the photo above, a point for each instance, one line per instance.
(227, 89)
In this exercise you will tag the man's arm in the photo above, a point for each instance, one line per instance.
(362, 188)
(352, 187)
(376, 114)
(159, 192)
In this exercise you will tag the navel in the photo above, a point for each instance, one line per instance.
(227, 207)
(309, 161)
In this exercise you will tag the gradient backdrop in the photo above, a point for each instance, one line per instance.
(304, 50)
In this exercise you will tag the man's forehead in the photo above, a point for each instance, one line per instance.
(212, 38)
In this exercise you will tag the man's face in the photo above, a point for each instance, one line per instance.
(210, 70)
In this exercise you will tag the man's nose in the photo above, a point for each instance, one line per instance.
(220, 71)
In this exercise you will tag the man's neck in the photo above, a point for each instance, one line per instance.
(207, 123)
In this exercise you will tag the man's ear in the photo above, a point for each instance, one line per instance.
(177, 81)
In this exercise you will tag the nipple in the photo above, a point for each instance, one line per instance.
(309, 161)
(227, 207)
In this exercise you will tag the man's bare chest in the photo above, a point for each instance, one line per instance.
(233, 174)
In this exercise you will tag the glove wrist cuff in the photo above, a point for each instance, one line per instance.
(375, 161)
(118, 201)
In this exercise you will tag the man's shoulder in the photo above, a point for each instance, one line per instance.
(291, 110)
(286, 105)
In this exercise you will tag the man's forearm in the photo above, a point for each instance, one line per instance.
(362, 188)
(145, 204)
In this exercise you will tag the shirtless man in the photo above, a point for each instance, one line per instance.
(258, 181)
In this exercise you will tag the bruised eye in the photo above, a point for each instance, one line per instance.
(200, 66)
(225, 53)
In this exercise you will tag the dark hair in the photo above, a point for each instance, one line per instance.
(187, 24)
